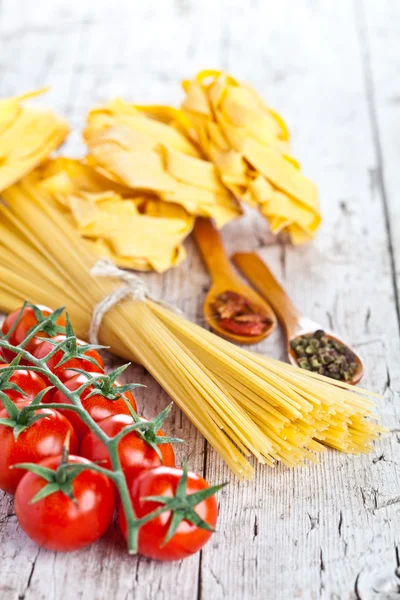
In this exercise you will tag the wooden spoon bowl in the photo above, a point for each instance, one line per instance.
(308, 327)
(224, 279)
(294, 323)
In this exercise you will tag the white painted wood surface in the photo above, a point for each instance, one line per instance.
(332, 69)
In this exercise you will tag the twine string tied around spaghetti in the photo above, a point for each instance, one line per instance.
(133, 286)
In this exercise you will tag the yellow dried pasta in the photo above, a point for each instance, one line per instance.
(137, 232)
(249, 144)
(147, 149)
(27, 137)
(243, 403)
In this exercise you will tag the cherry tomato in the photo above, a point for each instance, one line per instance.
(41, 439)
(135, 454)
(45, 348)
(30, 382)
(26, 322)
(97, 406)
(58, 523)
(188, 538)
(66, 374)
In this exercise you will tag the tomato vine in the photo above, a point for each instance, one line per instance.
(69, 350)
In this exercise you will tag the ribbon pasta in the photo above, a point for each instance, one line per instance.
(249, 144)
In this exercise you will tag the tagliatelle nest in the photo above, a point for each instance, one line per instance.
(151, 169)
(136, 231)
(249, 144)
(146, 149)
(27, 137)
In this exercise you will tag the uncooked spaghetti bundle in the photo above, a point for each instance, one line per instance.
(146, 149)
(243, 403)
(248, 143)
(136, 231)
(27, 137)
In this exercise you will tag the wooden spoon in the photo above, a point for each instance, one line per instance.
(224, 279)
(294, 323)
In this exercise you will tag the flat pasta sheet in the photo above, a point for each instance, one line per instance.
(136, 231)
(147, 149)
(27, 137)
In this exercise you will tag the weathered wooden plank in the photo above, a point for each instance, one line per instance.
(89, 56)
(379, 30)
(307, 533)
(302, 533)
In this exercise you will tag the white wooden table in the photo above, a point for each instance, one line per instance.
(333, 70)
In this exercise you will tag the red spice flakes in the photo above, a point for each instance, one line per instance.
(238, 315)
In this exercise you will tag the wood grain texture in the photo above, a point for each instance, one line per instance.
(379, 30)
(329, 531)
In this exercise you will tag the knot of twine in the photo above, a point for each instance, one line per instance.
(134, 287)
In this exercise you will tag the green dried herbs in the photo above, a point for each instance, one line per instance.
(325, 355)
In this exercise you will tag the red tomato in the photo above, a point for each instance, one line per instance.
(40, 440)
(75, 363)
(97, 406)
(27, 321)
(29, 381)
(188, 538)
(135, 454)
(65, 374)
(56, 522)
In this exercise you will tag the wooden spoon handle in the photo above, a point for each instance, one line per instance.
(212, 250)
(264, 281)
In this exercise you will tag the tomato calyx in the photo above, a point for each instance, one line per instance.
(70, 348)
(20, 419)
(148, 430)
(46, 324)
(60, 479)
(182, 506)
(104, 385)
